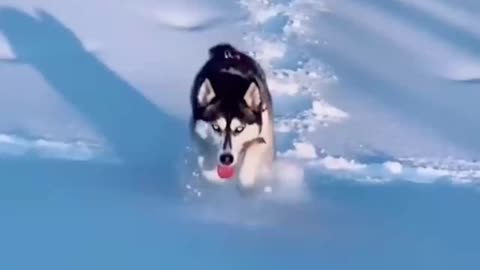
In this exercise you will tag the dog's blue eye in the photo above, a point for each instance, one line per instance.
(239, 129)
(216, 128)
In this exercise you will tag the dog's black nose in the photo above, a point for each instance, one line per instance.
(226, 159)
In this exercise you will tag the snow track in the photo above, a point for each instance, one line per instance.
(280, 35)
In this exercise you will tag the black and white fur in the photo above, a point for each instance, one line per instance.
(232, 116)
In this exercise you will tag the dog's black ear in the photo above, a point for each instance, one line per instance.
(205, 93)
(252, 97)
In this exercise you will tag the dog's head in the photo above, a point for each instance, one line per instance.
(230, 123)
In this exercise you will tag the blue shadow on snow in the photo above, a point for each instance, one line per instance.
(134, 126)
(148, 141)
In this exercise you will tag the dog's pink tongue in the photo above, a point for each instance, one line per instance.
(225, 172)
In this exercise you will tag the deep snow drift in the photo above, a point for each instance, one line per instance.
(375, 108)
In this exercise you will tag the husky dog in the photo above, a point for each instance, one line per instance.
(232, 117)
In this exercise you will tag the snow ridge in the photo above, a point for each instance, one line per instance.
(14, 145)
(290, 76)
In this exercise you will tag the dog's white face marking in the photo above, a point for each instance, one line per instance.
(212, 132)
(236, 126)
(202, 129)
(242, 134)
(227, 139)
(222, 123)
(217, 132)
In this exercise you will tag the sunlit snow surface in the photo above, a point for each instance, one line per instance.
(376, 119)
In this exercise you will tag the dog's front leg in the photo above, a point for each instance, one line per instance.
(251, 165)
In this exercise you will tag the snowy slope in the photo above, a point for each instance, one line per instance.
(347, 103)
(374, 87)
(131, 50)
(375, 105)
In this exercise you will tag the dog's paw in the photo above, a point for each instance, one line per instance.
(247, 179)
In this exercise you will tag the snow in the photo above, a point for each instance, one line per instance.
(458, 16)
(375, 108)
(11, 144)
(333, 163)
(323, 111)
(302, 151)
(6, 52)
(393, 167)
(266, 52)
